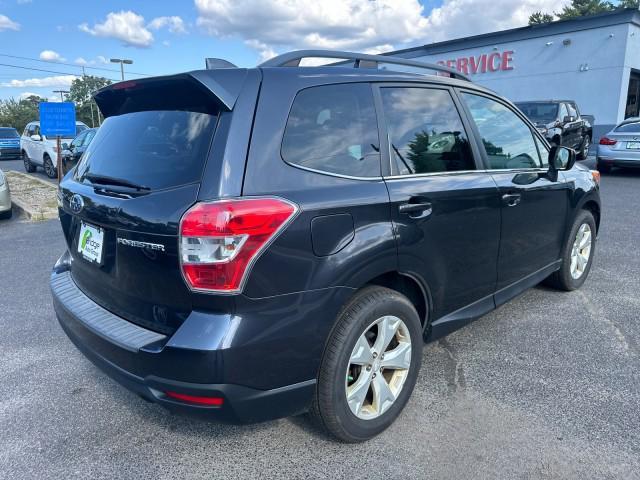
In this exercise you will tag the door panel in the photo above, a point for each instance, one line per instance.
(446, 213)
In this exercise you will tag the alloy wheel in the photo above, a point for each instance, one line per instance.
(378, 367)
(581, 251)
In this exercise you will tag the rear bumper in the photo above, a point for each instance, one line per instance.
(259, 376)
(618, 157)
(5, 198)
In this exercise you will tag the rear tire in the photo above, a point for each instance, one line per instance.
(351, 364)
(6, 215)
(28, 166)
(576, 261)
(49, 168)
(603, 168)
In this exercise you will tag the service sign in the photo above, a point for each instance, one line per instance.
(58, 118)
(482, 63)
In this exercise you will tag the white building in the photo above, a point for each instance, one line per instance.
(593, 60)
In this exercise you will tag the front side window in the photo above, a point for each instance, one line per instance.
(77, 141)
(507, 139)
(425, 131)
(572, 111)
(333, 129)
(563, 112)
(88, 137)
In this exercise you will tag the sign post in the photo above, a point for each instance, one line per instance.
(58, 119)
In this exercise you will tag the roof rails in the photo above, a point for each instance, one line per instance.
(360, 60)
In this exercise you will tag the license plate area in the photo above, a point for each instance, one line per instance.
(91, 243)
(633, 145)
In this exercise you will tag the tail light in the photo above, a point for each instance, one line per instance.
(198, 400)
(220, 241)
(607, 141)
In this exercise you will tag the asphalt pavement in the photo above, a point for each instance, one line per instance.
(545, 387)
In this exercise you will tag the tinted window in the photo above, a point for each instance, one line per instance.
(88, 137)
(157, 149)
(507, 140)
(572, 111)
(633, 127)
(426, 132)
(8, 133)
(78, 140)
(539, 112)
(333, 128)
(563, 112)
(544, 152)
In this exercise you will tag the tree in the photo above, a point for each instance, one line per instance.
(539, 18)
(81, 93)
(17, 113)
(629, 4)
(580, 8)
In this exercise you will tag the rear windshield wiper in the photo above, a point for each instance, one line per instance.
(116, 182)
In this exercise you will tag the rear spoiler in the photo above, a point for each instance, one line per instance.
(206, 91)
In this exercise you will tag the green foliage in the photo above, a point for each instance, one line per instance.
(539, 18)
(17, 113)
(81, 92)
(580, 8)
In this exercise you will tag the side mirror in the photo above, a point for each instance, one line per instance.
(65, 146)
(561, 158)
(568, 119)
(36, 138)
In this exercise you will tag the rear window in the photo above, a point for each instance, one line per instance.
(155, 149)
(333, 129)
(633, 127)
(9, 133)
(539, 112)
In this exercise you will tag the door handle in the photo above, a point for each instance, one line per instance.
(416, 210)
(511, 199)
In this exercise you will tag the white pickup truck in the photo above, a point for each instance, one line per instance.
(40, 151)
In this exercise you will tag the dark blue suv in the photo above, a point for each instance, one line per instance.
(247, 244)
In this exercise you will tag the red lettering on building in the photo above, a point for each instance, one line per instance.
(483, 63)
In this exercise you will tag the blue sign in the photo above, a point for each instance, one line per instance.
(58, 118)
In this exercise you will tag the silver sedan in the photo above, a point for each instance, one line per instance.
(5, 197)
(621, 146)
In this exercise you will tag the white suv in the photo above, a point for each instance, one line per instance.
(38, 151)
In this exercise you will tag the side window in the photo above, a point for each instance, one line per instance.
(563, 112)
(544, 152)
(88, 137)
(507, 140)
(334, 129)
(572, 111)
(31, 130)
(425, 131)
(76, 142)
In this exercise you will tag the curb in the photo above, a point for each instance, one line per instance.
(29, 214)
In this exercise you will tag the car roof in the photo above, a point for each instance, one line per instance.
(544, 101)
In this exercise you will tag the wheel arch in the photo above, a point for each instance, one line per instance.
(592, 206)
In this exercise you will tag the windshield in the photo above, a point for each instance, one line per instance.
(539, 112)
(633, 127)
(156, 149)
(8, 133)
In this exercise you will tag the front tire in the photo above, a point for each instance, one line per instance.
(28, 166)
(49, 169)
(369, 366)
(577, 254)
(584, 150)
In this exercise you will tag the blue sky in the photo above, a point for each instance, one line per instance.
(164, 36)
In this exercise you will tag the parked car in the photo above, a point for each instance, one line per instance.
(561, 123)
(40, 151)
(264, 241)
(71, 152)
(5, 197)
(9, 144)
(620, 147)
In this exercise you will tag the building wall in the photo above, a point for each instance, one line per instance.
(593, 69)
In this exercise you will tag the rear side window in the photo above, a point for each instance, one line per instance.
(333, 129)
(155, 149)
(425, 130)
(507, 140)
(633, 127)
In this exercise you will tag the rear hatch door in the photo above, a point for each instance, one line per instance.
(121, 207)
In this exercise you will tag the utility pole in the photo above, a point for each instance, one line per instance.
(93, 123)
(122, 62)
(61, 92)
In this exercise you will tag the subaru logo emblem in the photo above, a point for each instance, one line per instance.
(76, 203)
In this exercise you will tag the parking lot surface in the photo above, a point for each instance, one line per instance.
(547, 386)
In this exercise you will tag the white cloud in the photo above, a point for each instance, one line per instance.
(102, 59)
(175, 24)
(51, 56)
(125, 26)
(27, 94)
(361, 25)
(7, 24)
(55, 81)
(81, 61)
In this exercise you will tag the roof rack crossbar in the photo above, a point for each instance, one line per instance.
(360, 60)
